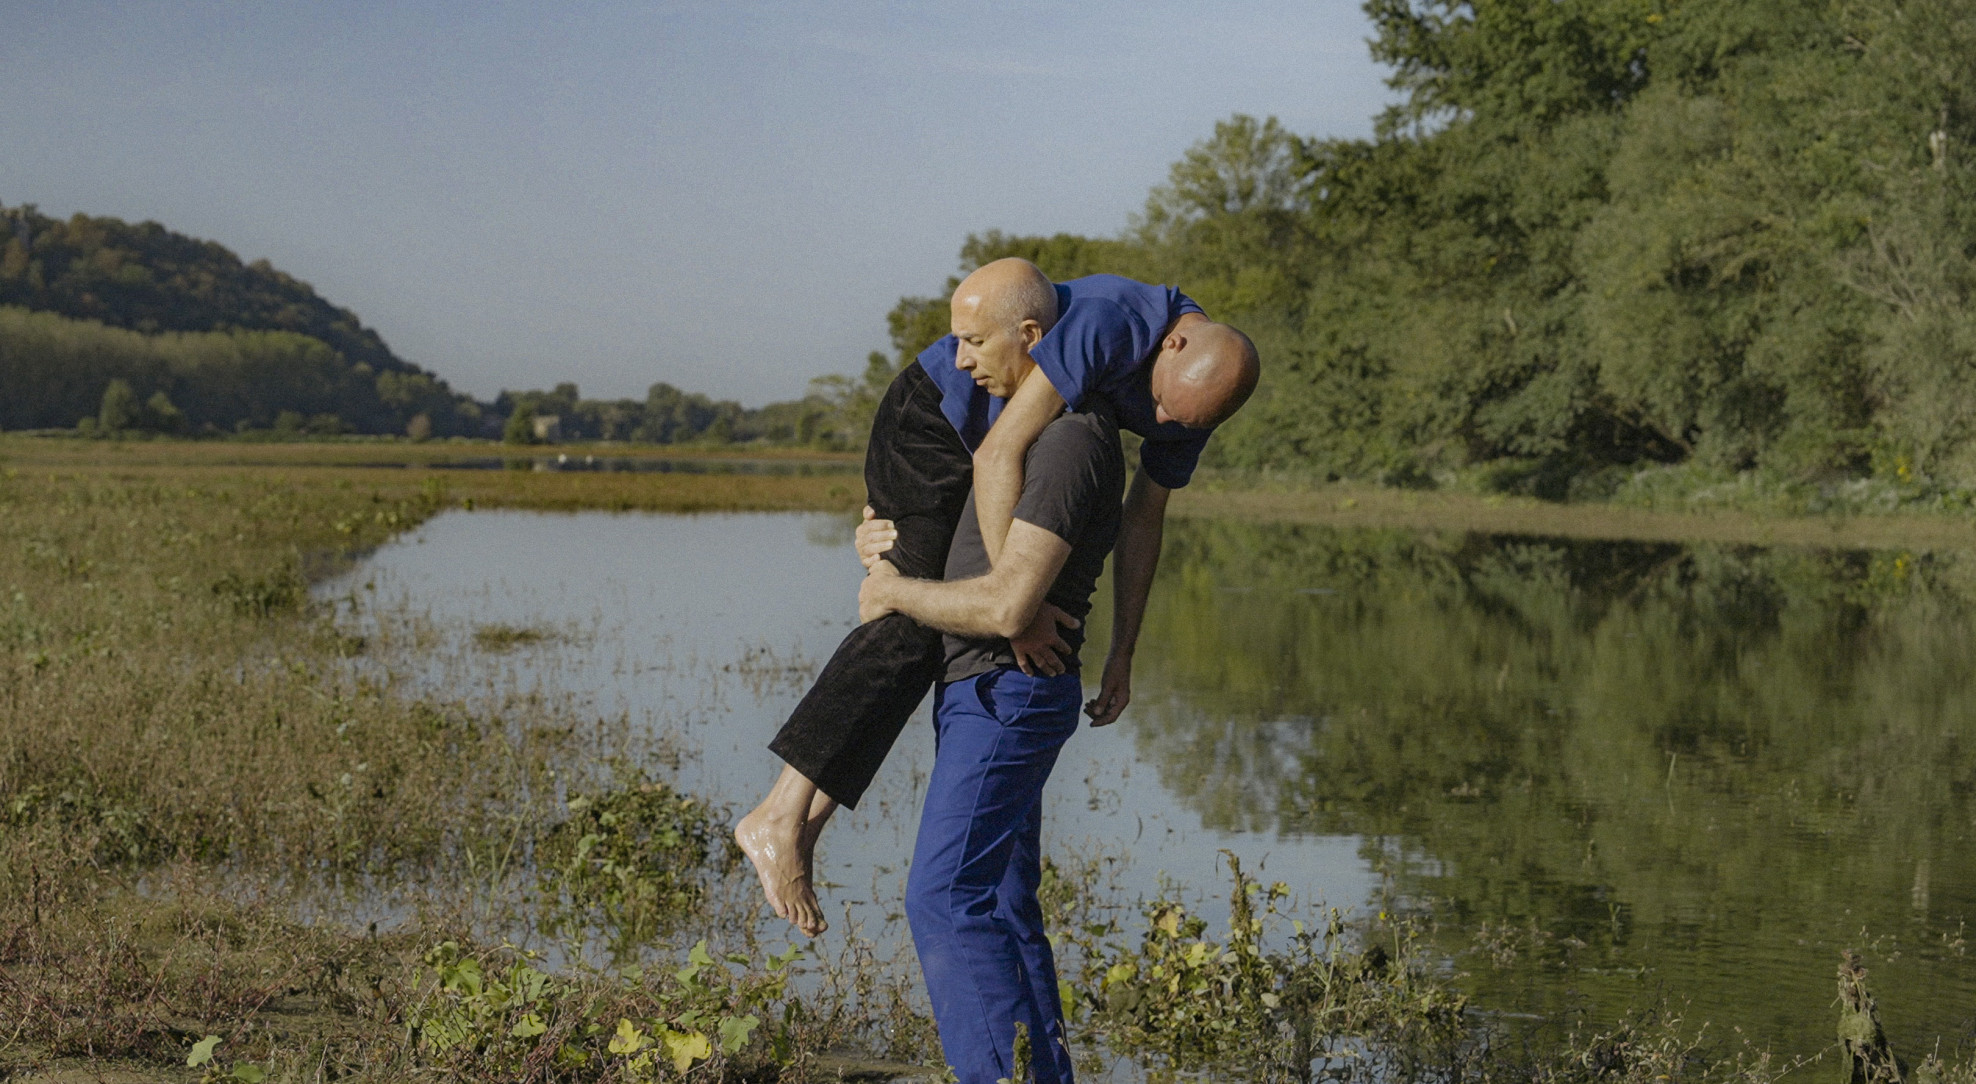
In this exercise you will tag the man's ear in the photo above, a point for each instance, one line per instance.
(1032, 333)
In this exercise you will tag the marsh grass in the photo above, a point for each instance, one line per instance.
(186, 755)
(500, 637)
(635, 858)
(173, 700)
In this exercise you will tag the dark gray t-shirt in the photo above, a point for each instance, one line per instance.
(1072, 484)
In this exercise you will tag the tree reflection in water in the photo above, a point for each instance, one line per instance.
(1648, 770)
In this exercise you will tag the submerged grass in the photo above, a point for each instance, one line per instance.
(500, 637)
(184, 762)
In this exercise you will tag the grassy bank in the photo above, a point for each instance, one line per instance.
(1652, 508)
(200, 805)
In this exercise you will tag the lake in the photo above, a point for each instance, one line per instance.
(1628, 772)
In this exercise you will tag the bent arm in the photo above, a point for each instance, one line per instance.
(1002, 603)
(998, 462)
(1136, 556)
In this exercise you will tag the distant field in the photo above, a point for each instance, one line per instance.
(830, 481)
(400, 471)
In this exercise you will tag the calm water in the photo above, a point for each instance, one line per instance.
(1642, 770)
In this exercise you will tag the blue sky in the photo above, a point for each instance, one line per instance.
(725, 196)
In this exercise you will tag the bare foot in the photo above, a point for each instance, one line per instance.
(777, 849)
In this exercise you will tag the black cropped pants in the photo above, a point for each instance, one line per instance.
(917, 474)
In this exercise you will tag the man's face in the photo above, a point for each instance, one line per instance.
(987, 351)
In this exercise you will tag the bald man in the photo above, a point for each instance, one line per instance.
(970, 408)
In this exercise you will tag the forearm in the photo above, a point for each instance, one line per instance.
(998, 604)
(1135, 559)
(974, 608)
(998, 463)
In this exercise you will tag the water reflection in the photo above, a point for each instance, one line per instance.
(704, 631)
(1641, 770)
(1692, 771)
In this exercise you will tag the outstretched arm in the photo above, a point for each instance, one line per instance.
(998, 462)
(1135, 558)
(1002, 603)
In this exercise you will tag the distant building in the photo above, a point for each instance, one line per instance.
(549, 428)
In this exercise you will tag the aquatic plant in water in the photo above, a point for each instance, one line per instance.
(636, 858)
(1183, 1000)
(498, 1015)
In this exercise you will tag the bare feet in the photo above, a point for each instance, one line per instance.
(780, 850)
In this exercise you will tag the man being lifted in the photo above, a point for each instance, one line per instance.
(969, 409)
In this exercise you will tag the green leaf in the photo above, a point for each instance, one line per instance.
(687, 1047)
(735, 1030)
(249, 1074)
(1856, 1027)
(202, 1051)
(629, 1039)
(528, 1027)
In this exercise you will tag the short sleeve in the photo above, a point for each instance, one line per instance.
(1170, 460)
(1062, 480)
(1080, 353)
(1180, 304)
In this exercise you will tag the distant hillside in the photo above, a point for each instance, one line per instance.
(105, 325)
(146, 278)
(227, 345)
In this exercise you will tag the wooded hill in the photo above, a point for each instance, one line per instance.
(1736, 235)
(134, 327)
(207, 341)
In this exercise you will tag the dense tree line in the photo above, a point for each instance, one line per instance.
(58, 371)
(111, 326)
(668, 415)
(229, 345)
(1596, 233)
(147, 278)
(1593, 234)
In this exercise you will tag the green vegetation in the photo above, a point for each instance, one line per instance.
(1621, 755)
(634, 859)
(1631, 249)
(1189, 1003)
(59, 371)
(498, 637)
(115, 328)
(87, 301)
(189, 761)
(831, 417)
(1595, 236)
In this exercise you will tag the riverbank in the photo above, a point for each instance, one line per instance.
(609, 476)
(195, 787)
(1351, 505)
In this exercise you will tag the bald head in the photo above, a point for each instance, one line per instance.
(1204, 373)
(1008, 292)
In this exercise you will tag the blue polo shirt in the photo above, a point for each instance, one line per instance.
(1107, 334)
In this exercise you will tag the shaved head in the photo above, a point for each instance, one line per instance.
(1204, 379)
(1009, 291)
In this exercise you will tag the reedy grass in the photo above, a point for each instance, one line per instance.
(172, 702)
(181, 751)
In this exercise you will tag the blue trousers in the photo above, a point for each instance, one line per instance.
(971, 895)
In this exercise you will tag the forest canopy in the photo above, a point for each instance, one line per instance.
(85, 302)
(1591, 235)
(1595, 234)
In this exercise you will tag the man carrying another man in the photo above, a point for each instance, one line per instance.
(971, 895)
(1031, 542)
(1171, 375)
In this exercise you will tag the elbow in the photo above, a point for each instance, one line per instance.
(1011, 616)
